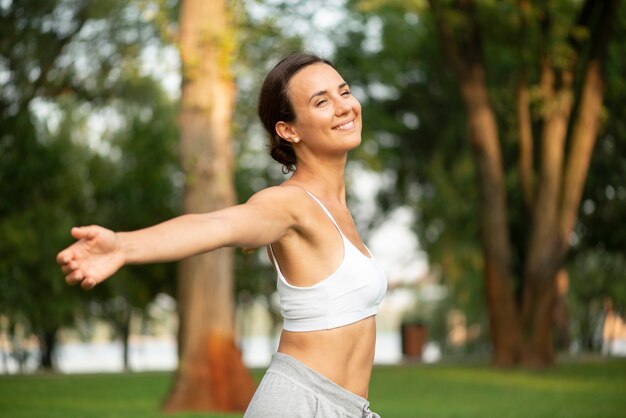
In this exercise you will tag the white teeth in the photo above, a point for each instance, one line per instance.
(345, 126)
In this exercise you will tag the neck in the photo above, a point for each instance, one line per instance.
(323, 179)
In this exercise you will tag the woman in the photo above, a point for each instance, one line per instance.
(328, 282)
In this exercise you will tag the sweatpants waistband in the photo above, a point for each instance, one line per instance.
(321, 385)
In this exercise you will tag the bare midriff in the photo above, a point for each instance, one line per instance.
(344, 355)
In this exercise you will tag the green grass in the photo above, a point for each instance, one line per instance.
(574, 389)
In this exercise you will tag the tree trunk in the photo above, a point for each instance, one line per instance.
(119, 315)
(47, 343)
(525, 142)
(467, 63)
(504, 326)
(544, 255)
(561, 314)
(125, 331)
(211, 375)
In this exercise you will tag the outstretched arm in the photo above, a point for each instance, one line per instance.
(99, 252)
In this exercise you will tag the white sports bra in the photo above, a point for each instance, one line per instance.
(353, 292)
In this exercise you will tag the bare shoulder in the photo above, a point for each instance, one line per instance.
(285, 193)
(280, 193)
(286, 200)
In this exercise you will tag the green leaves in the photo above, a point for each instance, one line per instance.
(433, 157)
(85, 137)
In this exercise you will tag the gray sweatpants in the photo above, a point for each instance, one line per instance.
(291, 389)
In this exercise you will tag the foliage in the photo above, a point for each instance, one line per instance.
(596, 277)
(415, 128)
(597, 261)
(136, 185)
(40, 196)
(86, 136)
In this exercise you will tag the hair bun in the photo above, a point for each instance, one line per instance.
(282, 152)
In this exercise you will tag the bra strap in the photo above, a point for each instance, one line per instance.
(326, 211)
(273, 256)
(274, 260)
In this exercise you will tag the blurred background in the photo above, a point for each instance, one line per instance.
(491, 180)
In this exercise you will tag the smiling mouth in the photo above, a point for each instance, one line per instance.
(345, 126)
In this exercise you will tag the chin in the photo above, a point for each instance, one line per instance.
(354, 142)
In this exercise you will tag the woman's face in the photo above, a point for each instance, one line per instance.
(328, 117)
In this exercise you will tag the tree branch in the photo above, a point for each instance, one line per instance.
(585, 130)
(525, 140)
(525, 120)
(449, 44)
(542, 261)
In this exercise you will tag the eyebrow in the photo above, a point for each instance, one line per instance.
(322, 92)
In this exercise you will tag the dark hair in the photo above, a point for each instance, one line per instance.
(274, 104)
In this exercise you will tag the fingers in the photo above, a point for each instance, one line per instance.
(78, 277)
(88, 283)
(64, 256)
(67, 268)
(84, 232)
(74, 277)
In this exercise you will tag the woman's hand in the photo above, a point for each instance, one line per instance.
(96, 256)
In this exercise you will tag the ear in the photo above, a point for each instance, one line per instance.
(286, 132)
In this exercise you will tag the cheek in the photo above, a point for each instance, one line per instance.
(321, 118)
(356, 105)
(305, 119)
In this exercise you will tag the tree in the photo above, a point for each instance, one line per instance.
(211, 375)
(62, 62)
(34, 200)
(552, 195)
(518, 71)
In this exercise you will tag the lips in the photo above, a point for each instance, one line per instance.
(345, 126)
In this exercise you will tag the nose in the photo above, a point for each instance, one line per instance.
(342, 106)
